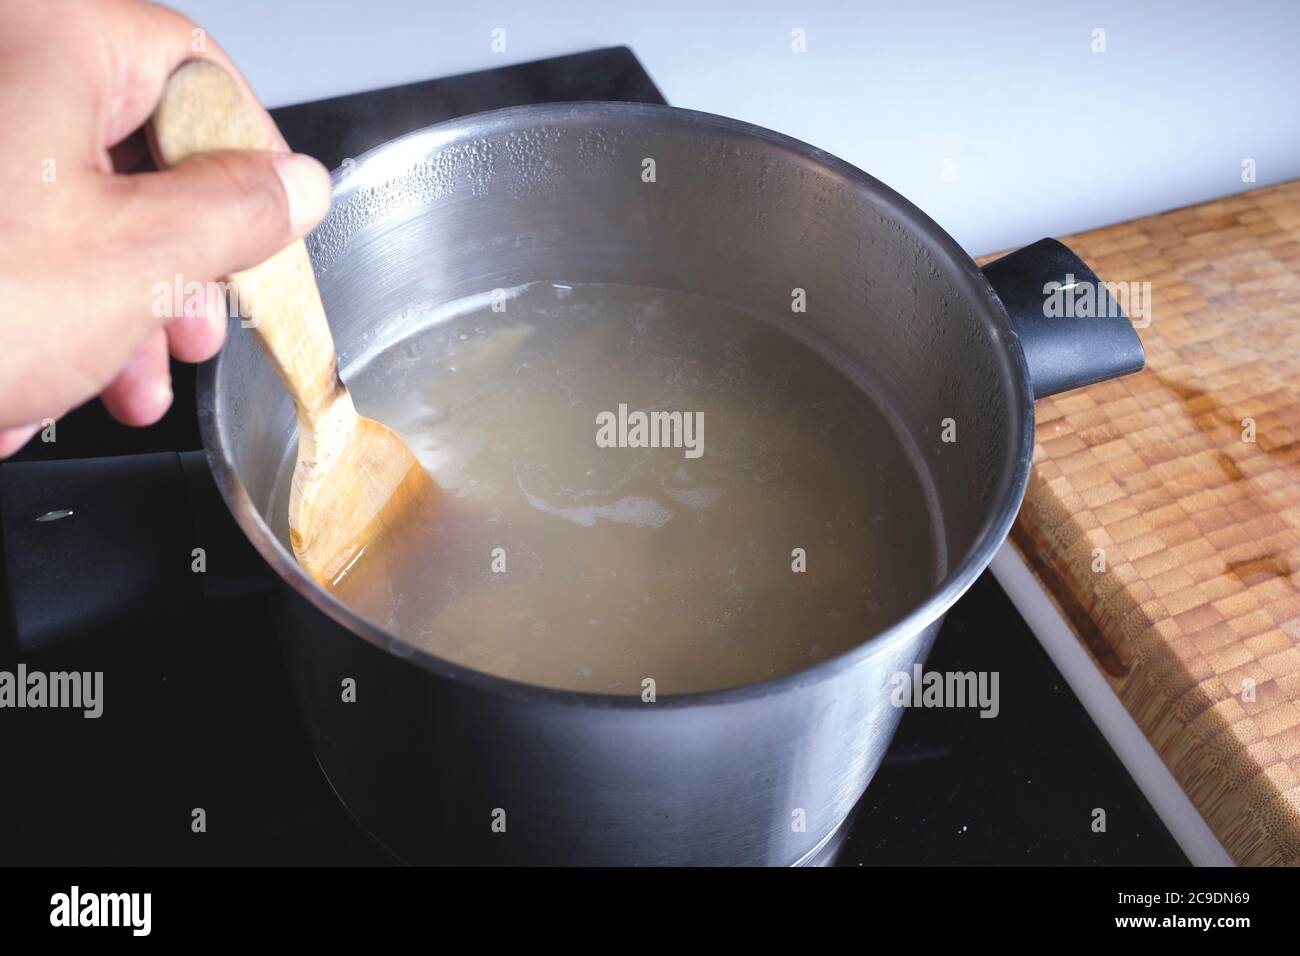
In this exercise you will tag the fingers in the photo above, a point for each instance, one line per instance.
(143, 45)
(199, 334)
(142, 391)
(12, 439)
(104, 250)
(214, 214)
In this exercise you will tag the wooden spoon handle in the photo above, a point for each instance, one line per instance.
(203, 109)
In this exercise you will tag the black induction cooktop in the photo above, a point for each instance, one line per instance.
(201, 714)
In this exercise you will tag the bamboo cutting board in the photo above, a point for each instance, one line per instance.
(1167, 538)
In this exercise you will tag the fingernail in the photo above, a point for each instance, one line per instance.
(12, 439)
(307, 187)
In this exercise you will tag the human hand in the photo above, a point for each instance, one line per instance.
(84, 244)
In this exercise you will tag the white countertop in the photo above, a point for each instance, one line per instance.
(1046, 136)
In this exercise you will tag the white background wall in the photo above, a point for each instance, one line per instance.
(1047, 136)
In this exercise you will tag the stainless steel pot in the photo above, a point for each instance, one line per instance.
(442, 763)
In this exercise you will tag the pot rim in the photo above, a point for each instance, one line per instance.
(376, 165)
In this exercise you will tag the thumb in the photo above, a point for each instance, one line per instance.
(217, 213)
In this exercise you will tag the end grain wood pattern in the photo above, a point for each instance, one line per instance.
(1199, 528)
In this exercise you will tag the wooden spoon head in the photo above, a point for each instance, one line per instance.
(345, 515)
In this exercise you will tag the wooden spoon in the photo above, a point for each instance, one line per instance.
(355, 480)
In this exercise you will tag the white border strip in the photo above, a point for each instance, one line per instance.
(1107, 712)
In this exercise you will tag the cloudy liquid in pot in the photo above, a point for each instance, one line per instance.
(785, 523)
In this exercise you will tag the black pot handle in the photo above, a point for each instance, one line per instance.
(97, 543)
(1036, 285)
